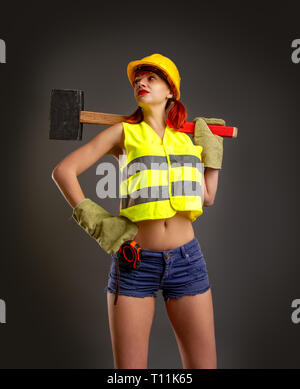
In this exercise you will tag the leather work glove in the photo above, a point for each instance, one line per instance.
(212, 152)
(108, 230)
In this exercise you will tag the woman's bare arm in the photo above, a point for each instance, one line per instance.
(109, 141)
(210, 181)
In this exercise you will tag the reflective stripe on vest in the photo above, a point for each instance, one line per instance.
(160, 177)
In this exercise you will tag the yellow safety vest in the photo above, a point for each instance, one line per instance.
(159, 177)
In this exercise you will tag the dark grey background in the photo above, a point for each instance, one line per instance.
(235, 63)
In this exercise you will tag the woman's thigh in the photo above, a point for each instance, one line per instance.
(192, 319)
(130, 323)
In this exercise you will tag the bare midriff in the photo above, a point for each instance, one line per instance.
(165, 234)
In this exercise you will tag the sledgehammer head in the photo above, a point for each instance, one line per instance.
(65, 108)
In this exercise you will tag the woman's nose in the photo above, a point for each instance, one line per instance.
(141, 81)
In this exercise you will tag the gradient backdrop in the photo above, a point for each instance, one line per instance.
(235, 63)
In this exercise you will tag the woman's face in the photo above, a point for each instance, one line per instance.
(158, 90)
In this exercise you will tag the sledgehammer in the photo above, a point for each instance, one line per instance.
(67, 116)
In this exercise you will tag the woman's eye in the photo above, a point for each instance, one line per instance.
(136, 81)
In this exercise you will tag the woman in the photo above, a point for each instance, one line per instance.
(172, 259)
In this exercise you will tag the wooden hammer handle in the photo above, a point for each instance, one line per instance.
(188, 127)
(100, 118)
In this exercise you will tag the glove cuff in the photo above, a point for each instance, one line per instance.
(81, 202)
(109, 231)
(88, 211)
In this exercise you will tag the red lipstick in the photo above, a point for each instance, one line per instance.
(143, 92)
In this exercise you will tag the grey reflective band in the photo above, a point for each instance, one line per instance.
(184, 159)
(141, 196)
(154, 162)
(159, 193)
(186, 188)
(146, 162)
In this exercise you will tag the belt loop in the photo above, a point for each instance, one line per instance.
(182, 251)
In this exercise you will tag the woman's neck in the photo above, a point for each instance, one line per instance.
(156, 120)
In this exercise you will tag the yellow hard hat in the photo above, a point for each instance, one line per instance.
(161, 62)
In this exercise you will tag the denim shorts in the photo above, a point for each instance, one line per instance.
(177, 272)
